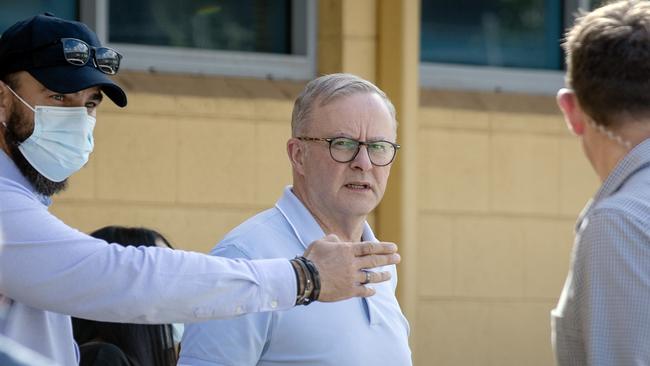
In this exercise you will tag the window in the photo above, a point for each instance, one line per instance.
(510, 45)
(232, 25)
(494, 33)
(259, 38)
(19, 10)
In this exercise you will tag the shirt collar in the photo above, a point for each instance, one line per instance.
(9, 170)
(303, 223)
(637, 159)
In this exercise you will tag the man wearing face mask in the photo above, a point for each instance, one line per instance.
(53, 75)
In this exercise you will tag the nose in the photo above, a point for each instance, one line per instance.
(75, 99)
(362, 160)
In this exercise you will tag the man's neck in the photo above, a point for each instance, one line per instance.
(345, 227)
(346, 230)
(610, 152)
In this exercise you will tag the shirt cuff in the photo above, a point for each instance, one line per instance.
(278, 286)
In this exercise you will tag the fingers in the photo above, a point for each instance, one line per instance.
(370, 277)
(332, 238)
(372, 261)
(367, 248)
(365, 277)
(365, 291)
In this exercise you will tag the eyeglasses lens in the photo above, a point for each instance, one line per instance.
(108, 60)
(344, 150)
(381, 152)
(76, 52)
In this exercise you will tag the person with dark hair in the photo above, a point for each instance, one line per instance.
(107, 343)
(53, 75)
(603, 314)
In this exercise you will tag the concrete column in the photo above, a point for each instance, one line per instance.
(397, 74)
(379, 41)
(347, 37)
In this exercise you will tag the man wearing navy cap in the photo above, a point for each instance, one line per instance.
(53, 74)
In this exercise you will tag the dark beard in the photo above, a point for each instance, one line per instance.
(41, 184)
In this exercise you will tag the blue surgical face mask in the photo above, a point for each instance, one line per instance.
(61, 142)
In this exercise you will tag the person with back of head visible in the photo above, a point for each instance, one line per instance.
(603, 314)
(53, 75)
(342, 145)
(108, 343)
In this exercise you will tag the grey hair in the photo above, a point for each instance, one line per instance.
(324, 90)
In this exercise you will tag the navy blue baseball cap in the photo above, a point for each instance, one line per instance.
(34, 45)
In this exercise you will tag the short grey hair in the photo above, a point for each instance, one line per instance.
(324, 90)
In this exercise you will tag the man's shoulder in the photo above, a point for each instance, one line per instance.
(14, 195)
(617, 226)
(265, 221)
(632, 200)
(265, 235)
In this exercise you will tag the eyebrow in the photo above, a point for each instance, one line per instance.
(372, 139)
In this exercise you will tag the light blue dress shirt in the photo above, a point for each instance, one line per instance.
(603, 315)
(48, 269)
(370, 331)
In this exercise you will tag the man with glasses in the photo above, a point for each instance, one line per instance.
(603, 314)
(53, 77)
(342, 144)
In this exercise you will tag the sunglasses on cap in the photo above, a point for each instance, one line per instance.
(78, 53)
(75, 52)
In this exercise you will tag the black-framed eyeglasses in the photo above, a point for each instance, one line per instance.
(78, 53)
(344, 150)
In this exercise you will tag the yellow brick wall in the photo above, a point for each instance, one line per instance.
(502, 182)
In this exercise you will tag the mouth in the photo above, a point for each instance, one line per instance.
(357, 186)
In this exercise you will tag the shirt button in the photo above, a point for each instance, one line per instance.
(274, 304)
(239, 310)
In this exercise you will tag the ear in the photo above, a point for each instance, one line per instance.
(573, 114)
(296, 153)
(5, 102)
(5, 112)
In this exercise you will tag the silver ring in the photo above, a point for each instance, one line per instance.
(367, 281)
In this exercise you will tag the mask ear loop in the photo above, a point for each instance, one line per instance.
(610, 135)
(21, 99)
(4, 124)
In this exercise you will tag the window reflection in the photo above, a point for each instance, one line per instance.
(504, 33)
(237, 25)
